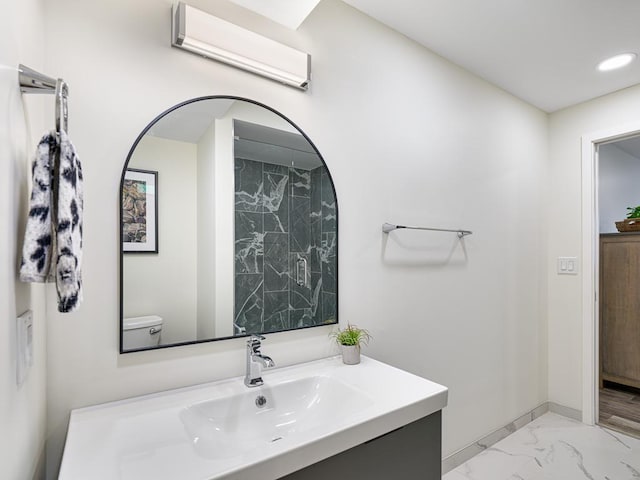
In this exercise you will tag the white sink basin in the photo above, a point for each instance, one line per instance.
(238, 424)
(312, 411)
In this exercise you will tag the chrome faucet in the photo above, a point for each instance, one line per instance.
(255, 362)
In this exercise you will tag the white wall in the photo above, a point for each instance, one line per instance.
(408, 138)
(22, 408)
(166, 283)
(224, 200)
(565, 231)
(618, 177)
(206, 234)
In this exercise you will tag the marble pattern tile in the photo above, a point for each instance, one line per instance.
(299, 225)
(329, 275)
(553, 447)
(315, 265)
(328, 246)
(276, 311)
(300, 294)
(461, 456)
(329, 261)
(301, 318)
(249, 242)
(300, 182)
(329, 307)
(281, 213)
(248, 303)
(315, 217)
(276, 202)
(276, 262)
(249, 188)
(316, 189)
(273, 168)
(329, 217)
(316, 298)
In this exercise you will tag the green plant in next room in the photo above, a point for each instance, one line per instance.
(351, 336)
(634, 212)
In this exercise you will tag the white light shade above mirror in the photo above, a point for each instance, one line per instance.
(205, 34)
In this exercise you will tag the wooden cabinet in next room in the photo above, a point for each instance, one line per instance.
(620, 308)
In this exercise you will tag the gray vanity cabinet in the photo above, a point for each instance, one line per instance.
(409, 453)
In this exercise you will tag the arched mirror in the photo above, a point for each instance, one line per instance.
(228, 227)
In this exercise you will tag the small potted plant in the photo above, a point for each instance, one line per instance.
(632, 222)
(350, 340)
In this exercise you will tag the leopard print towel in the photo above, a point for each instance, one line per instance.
(62, 235)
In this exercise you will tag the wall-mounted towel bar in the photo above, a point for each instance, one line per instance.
(388, 227)
(35, 82)
(32, 81)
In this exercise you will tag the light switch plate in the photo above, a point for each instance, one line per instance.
(567, 265)
(24, 347)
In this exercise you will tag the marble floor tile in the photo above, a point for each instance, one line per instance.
(554, 447)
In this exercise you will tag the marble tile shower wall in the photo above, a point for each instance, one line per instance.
(285, 247)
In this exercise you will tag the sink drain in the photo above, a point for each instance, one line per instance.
(261, 401)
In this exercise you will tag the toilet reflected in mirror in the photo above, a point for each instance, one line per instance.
(141, 332)
(228, 227)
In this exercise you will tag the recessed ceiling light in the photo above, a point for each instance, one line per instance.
(617, 61)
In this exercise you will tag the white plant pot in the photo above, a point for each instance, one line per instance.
(351, 354)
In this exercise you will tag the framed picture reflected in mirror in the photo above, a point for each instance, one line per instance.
(140, 211)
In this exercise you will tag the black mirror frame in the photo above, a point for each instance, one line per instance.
(120, 229)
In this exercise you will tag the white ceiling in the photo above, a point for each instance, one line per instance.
(290, 13)
(271, 145)
(253, 141)
(543, 51)
(189, 122)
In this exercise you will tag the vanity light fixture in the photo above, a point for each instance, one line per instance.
(212, 37)
(617, 61)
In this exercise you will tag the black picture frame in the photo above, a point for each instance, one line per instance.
(140, 211)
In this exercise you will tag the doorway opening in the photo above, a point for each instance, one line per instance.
(617, 255)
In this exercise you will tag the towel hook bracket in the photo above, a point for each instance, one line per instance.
(32, 81)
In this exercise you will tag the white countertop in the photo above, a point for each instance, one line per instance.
(144, 438)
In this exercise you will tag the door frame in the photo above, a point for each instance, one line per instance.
(590, 263)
